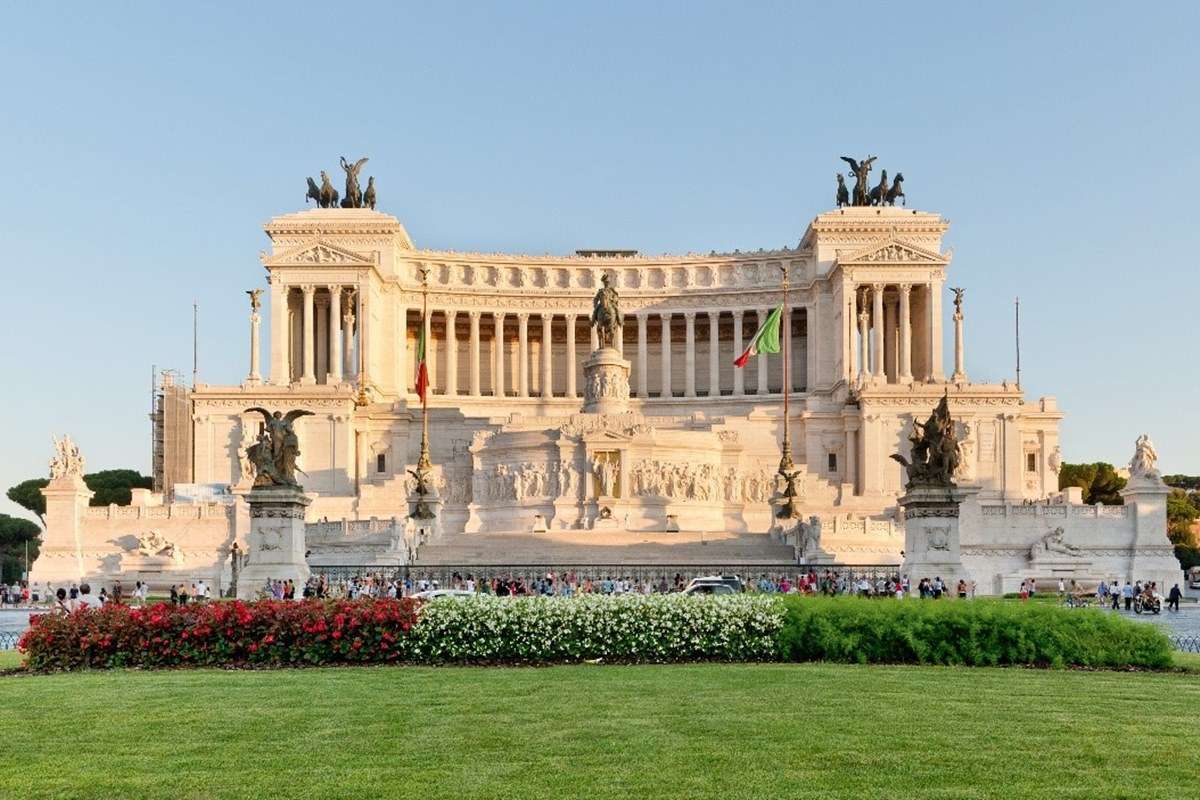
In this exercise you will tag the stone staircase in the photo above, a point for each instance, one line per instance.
(607, 547)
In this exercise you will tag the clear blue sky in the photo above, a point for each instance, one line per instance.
(144, 145)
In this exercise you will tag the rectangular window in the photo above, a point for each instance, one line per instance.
(833, 462)
(381, 462)
(1031, 462)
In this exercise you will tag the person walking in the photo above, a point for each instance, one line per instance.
(1173, 598)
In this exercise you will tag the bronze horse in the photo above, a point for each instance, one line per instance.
(879, 194)
(896, 191)
(325, 196)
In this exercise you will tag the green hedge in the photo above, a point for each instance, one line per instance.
(973, 633)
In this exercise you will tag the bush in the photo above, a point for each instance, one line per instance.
(975, 633)
(646, 628)
(268, 632)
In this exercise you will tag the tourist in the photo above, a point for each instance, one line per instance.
(1173, 598)
(1062, 590)
(1127, 593)
(86, 599)
(73, 597)
(61, 606)
(962, 589)
(1115, 594)
(183, 595)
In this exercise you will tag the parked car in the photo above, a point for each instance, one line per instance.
(1194, 578)
(732, 581)
(715, 587)
(429, 594)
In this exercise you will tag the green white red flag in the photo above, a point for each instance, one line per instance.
(766, 340)
(422, 368)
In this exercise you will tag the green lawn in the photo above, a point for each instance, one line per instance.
(777, 731)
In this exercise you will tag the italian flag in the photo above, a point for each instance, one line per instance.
(766, 340)
(422, 369)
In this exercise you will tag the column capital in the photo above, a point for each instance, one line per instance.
(547, 316)
(690, 316)
(334, 288)
(665, 315)
(571, 317)
(474, 314)
(522, 316)
(878, 287)
(450, 313)
(498, 316)
(905, 288)
(713, 316)
(308, 288)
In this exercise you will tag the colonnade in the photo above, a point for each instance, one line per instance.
(895, 333)
(539, 354)
(316, 337)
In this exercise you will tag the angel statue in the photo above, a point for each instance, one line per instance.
(860, 169)
(353, 197)
(274, 454)
(1145, 459)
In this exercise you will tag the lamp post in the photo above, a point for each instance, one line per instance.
(424, 463)
(786, 465)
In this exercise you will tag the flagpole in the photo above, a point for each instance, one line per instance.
(786, 465)
(424, 464)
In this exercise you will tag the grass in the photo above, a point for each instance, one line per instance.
(727, 731)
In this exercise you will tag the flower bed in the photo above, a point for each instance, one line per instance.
(645, 628)
(621, 628)
(975, 633)
(268, 632)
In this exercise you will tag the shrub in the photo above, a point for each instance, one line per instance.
(647, 628)
(267, 632)
(976, 633)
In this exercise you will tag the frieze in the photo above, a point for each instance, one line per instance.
(916, 512)
(272, 511)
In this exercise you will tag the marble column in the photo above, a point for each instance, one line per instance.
(851, 476)
(572, 363)
(255, 376)
(905, 333)
(933, 306)
(960, 372)
(498, 355)
(763, 313)
(739, 375)
(877, 339)
(666, 355)
(852, 340)
(349, 362)
(281, 367)
(451, 352)
(889, 341)
(689, 365)
(308, 377)
(335, 334)
(547, 352)
(620, 343)
(476, 388)
(365, 332)
(643, 390)
(864, 343)
(523, 354)
(714, 353)
(321, 337)
(403, 374)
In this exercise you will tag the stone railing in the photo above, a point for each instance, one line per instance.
(1057, 510)
(352, 530)
(170, 511)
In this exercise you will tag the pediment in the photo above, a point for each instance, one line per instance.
(894, 251)
(319, 254)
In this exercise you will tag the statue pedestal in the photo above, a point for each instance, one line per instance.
(605, 382)
(275, 545)
(426, 516)
(931, 535)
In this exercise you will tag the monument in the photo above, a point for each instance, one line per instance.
(931, 500)
(568, 402)
(276, 540)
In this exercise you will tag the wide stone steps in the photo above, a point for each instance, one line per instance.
(590, 547)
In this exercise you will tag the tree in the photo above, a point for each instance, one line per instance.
(1099, 481)
(14, 534)
(111, 486)
(1180, 516)
(28, 495)
(1189, 482)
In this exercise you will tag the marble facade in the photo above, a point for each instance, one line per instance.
(533, 427)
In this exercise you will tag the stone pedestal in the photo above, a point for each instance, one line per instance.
(275, 545)
(932, 546)
(61, 553)
(1153, 555)
(425, 512)
(605, 382)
